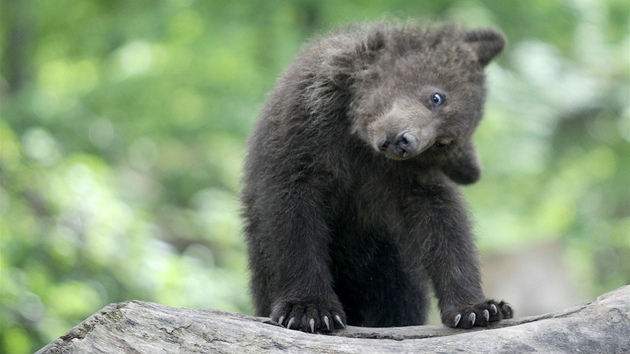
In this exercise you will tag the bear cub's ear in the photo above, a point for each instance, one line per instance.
(487, 43)
(375, 41)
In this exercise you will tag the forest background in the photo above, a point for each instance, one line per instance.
(123, 127)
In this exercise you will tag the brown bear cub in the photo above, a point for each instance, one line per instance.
(350, 199)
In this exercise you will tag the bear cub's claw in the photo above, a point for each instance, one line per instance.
(481, 314)
(308, 317)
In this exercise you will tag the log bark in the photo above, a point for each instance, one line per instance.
(602, 326)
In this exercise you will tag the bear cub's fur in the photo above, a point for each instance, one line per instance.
(351, 206)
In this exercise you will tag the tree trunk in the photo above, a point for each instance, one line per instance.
(602, 326)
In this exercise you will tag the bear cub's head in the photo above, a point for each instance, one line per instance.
(418, 92)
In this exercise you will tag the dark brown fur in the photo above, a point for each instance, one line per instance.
(349, 200)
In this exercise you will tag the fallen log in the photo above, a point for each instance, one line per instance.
(601, 326)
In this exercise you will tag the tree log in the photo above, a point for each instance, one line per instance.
(602, 326)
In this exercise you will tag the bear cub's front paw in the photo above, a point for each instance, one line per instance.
(481, 314)
(309, 317)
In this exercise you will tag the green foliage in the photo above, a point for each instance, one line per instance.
(122, 129)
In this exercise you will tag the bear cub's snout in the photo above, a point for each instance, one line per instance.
(403, 145)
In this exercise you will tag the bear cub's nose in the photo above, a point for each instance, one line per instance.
(403, 145)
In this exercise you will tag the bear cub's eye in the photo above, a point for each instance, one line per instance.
(442, 142)
(437, 99)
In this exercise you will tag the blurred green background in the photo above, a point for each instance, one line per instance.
(122, 129)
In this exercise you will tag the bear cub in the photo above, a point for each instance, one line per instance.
(350, 196)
